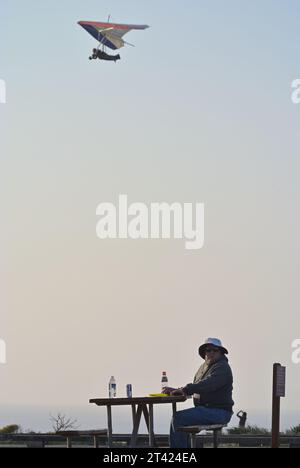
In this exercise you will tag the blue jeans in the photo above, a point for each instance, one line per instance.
(198, 416)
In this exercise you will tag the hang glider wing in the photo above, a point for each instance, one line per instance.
(110, 34)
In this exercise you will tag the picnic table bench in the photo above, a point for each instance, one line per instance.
(216, 429)
(93, 433)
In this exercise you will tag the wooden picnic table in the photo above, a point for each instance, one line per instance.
(139, 406)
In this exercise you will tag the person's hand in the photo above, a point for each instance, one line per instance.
(178, 392)
(168, 390)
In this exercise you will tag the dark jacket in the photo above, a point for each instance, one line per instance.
(213, 386)
(104, 56)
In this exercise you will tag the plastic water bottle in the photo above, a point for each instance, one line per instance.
(164, 380)
(112, 387)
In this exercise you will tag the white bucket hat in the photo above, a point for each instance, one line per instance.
(212, 342)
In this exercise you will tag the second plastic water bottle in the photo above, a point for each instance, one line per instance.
(112, 387)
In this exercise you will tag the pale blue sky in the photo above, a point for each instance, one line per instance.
(199, 110)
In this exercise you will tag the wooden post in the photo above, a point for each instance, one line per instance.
(96, 442)
(278, 392)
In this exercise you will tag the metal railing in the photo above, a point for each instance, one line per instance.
(123, 440)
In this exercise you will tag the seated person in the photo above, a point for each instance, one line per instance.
(212, 392)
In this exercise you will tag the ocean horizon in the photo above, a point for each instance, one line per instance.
(37, 419)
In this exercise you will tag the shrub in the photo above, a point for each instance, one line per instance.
(10, 429)
(249, 430)
(294, 430)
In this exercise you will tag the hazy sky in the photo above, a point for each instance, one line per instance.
(198, 111)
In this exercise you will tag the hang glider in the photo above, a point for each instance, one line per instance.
(110, 34)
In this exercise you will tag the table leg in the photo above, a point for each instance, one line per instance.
(174, 408)
(136, 425)
(148, 415)
(151, 426)
(133, 408)
(109, 423)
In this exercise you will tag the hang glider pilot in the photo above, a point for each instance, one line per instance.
(101, 55)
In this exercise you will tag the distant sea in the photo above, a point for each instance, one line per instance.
(92, 417)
